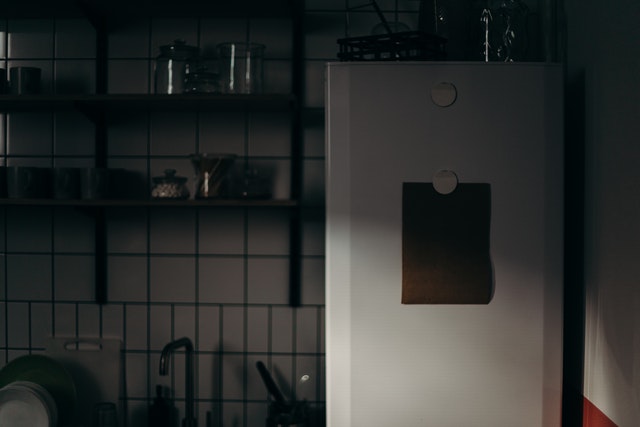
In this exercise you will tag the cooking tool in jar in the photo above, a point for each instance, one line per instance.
(174, 63)
(211, 172)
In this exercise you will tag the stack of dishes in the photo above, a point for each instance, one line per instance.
(27, 404)
(36, 391)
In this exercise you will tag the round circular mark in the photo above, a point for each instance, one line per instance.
(444, 94)
(445, 181)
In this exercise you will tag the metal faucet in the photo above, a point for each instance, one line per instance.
(189, 419)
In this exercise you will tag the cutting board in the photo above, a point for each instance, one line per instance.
(95, 364)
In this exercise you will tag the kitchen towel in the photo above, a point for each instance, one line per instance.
(445, 244)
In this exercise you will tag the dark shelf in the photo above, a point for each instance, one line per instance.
(248, 203)
(149, 102)
(188, 8)
(145, 8)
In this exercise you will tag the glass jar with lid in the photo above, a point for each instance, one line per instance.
(173, 66)
(169, 186)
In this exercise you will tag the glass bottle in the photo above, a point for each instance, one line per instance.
(510, 26)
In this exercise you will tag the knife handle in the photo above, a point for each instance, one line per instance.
(272, 387)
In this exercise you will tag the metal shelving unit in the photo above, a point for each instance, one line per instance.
(104, 15)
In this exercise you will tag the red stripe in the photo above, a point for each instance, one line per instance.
(594, 417)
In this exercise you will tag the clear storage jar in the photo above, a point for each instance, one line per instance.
(241, 69)
(202, 82)
(173, 66)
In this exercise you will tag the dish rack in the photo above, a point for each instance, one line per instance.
(401, 46)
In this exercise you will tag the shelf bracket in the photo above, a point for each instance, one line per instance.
(100, 256)
(295, 261)
(297, 178)
(98, 213)
(99, 22)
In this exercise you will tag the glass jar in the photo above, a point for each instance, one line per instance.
(241, 67)
(202, 82)
(173, 66)
(212, 170)
(510, 25)
(169, 186)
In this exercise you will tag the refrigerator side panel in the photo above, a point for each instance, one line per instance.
(495, 364)
(337, 254)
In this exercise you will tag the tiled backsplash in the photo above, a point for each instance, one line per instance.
(218, 276)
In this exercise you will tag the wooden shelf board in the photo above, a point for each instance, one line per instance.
(119, 102)
(248, 203)
(115, 9)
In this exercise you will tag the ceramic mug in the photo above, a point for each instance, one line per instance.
(3, 80)
(25, 80)
(3, 182)
(94, 183)
(26, 182)
(66, 183)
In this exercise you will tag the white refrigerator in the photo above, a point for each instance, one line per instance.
(491, 359)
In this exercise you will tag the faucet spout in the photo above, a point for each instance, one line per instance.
(189, 420)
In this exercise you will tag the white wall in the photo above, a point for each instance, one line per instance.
(495, 365)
